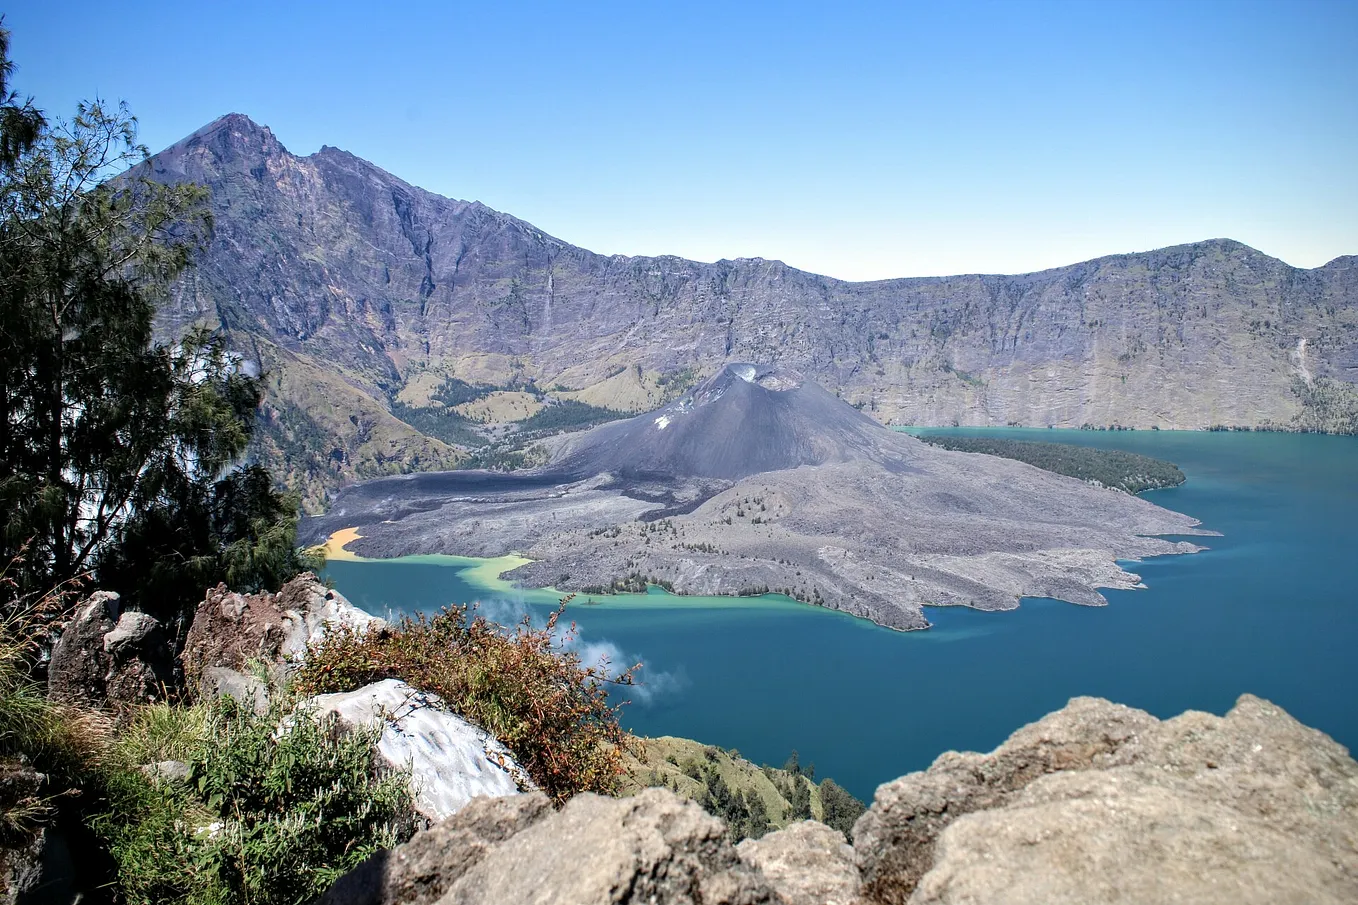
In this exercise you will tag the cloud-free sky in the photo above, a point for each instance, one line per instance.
(859, 140)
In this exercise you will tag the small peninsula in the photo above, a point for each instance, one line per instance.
(1115, 468)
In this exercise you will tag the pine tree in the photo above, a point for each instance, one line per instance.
(120, 458)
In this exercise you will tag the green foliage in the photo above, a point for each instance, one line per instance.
(267, 816)
(441, 423)
(568, 414)
(839, 809)
(118, 456)
(1120, 470)
(634, 583)
(506, 457)
(455, 392)
(60, 743)
(674, 384)
(524, 686)
(795, 786)
(744, 812)
(1328, 406)
(20, 123)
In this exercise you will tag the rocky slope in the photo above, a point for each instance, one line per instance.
(1095, 803)
(359, 291)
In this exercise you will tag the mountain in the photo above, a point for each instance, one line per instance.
(759, 480)
(744, 420)
(367, 298)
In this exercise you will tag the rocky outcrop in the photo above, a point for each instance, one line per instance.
(1095, 803)
(232, 632)
(450, 760)
(1103, 803)
(426, 867)
(107, 657)
(653, 848)
(807, 864)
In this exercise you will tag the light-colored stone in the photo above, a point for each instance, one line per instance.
(451, 761)
(807, 864)
(132, 629)
(423, 869)
(167, 771)
(653, 848)
(223, 682)
(1102, 803)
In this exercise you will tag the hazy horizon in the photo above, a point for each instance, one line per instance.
(863, 144)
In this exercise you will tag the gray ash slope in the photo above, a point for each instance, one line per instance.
(745, 420)
(760, 480)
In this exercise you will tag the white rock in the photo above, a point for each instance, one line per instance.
(451, 761)
(325, 609)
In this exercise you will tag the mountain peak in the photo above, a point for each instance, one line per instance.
(234, 132)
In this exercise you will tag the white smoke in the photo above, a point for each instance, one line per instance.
(610, 659)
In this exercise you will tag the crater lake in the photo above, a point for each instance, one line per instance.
(1269, 609)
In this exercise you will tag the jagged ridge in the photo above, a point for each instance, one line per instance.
(331, 260)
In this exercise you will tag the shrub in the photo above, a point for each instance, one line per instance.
(269, 814)
(839, 809)
(522, 685)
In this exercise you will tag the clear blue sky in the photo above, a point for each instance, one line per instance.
(856, 140)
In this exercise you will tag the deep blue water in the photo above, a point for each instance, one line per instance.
(1271, 609)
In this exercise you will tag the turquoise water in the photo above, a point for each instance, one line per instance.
(1270, 610)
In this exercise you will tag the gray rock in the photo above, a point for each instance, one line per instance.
(451, 761)
(224, 682)
(653, 848)
(108, 658)
(131, 632)
(1102, 803)
(39, 872)
(173, 771)
(806, 864)
(423, 869)
(241, 631)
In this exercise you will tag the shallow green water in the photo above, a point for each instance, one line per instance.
(1270, 609)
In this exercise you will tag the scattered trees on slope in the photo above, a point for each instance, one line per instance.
(1113, 468)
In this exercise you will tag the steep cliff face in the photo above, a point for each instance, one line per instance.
(328, 263)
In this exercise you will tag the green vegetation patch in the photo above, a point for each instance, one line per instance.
(440, 423)
(455, 392)
(752, 800)
(266, 815)
(1328, 406)
(1125, 471)
(569, 414)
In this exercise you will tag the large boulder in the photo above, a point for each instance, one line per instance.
(450, 760)
(422, 870)
(654, 848)
(232, 633)
(1102, 803)
(108, 657)
(807, 864)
